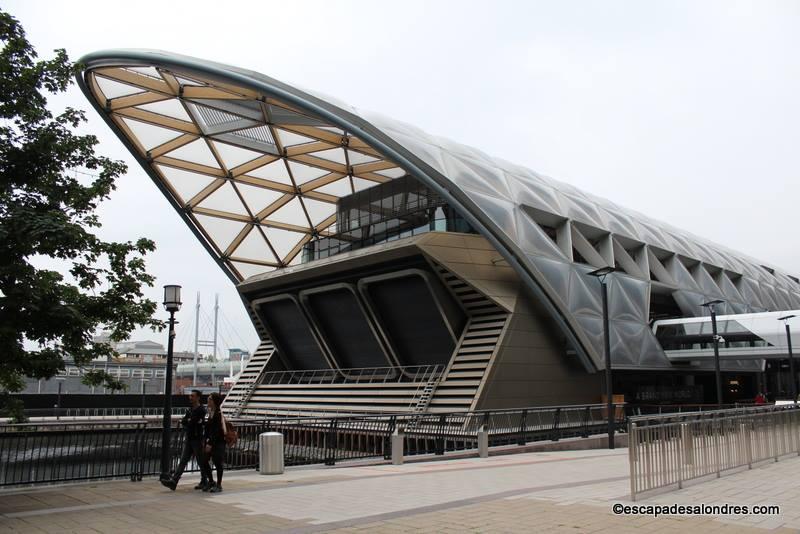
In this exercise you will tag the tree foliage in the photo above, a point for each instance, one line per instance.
(51, 182)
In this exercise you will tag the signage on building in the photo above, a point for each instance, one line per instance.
(669, 394)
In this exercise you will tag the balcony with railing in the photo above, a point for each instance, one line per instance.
(382, 232)
(361, 375)
(394, 210)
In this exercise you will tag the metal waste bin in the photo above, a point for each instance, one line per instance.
(270, 453)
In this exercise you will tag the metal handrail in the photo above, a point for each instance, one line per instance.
(666, 451)
(345, 240)
(356, 375)
(65, 450)
(661, 418)
(98, 413)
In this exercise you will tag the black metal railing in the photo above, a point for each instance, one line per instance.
(310, 440)
(147, 460)
(84, 450)
(368, 235)
(440, 433)
(58, 452)
(88, 450)
(331, 440)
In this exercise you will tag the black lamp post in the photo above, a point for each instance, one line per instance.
(60, 380)
(172, 303)
(144, 381)
(717, 373)
(793, 381)
(601, 275)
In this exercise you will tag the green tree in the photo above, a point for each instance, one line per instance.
(51, 182)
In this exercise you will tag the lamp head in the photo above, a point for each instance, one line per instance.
(711, 303)
(786, 317)
(602, 272)
(172, 298)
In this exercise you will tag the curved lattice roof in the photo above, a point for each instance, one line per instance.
(258, 177)
(255, 167)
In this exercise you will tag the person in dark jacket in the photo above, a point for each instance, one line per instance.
(192, 424)
(214, 440)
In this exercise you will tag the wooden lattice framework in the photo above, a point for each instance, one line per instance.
(257, 177)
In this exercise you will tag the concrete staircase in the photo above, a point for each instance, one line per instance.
(328, 398)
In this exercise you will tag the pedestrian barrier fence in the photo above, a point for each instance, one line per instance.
(670, 449)
(671, 409)
(60, 451)
(61, 414)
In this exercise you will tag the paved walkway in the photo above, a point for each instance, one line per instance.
(545, 491)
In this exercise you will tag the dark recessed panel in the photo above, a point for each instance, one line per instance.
(412, 320)
(291, 333)
(344, 327)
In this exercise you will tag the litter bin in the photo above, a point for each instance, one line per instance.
(270, 453)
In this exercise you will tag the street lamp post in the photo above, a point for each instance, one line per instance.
(144, 381)
(717, 373)
(172, 303)
(601, 275)
(793, 381)
(60, 381)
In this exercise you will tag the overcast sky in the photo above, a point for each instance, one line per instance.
(686, 111)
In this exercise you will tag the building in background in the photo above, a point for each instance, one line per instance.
(386, 269)
(147, 352)
(238, 355)
(138, 376)
(138, 364)
(211, 376)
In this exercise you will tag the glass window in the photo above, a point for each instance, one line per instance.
(668, 330)
(734, 326)
(692, 329)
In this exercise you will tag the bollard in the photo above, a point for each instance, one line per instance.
(483, 443)
(398, 440)
(270, 453)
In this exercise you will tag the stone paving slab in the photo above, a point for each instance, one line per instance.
(545, 491)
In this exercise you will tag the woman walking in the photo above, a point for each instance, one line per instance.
(214, 436)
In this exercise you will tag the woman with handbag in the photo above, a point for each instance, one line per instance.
(215, 441)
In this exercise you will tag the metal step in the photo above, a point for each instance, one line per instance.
(248, 380)
(474, 349)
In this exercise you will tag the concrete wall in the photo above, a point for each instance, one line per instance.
(532, 367)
